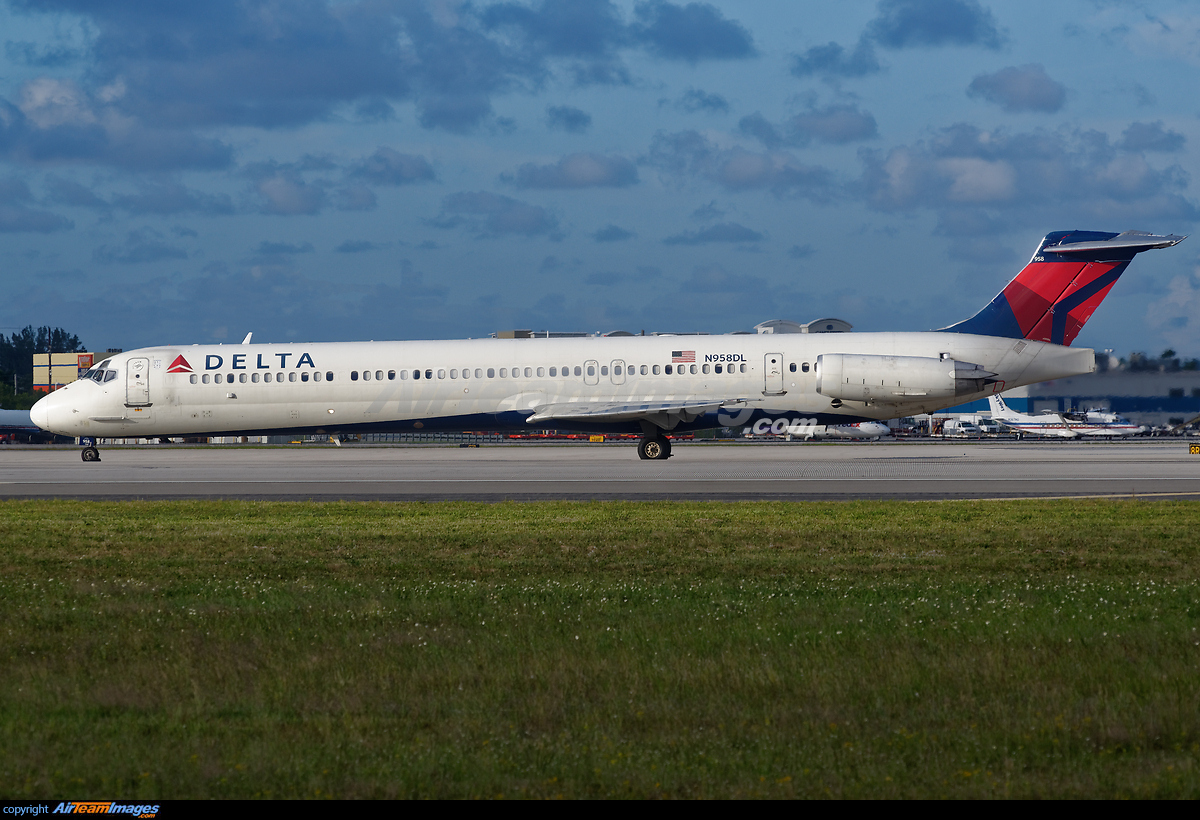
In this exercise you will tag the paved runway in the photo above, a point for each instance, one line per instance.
(903, 470)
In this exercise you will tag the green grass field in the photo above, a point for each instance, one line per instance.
(237, 649)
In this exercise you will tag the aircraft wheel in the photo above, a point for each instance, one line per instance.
(654, 449)
(90, 454)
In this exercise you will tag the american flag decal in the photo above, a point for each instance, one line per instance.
(683, 356)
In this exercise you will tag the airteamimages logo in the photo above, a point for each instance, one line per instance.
(106, 807)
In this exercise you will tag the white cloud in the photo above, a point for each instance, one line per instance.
(1177, 35)
(1177, 315)
(49, 103)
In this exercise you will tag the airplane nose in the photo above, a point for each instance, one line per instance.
(40, 413)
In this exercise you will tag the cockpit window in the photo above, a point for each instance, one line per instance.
(109, 375)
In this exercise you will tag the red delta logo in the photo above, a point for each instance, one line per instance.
(180, 365)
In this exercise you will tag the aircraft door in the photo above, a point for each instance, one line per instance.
(591, 372)
(137, 383)
(773, 374)
(618, 371)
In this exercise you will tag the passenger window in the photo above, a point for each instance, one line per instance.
(453, 373)
(591, 370)
(705, 369)
(492, 373)
(657, 369)
(218, 378)
(267, 378)
(353, 375)
(366, 375)
(292, 376)
(441, 374)
(328, 375)
(479, 372)
(603, 370)
(242, 378)
(529, 372)
(429, 374)
(416, 375)
(644, 371)
(579, 370)
(541, 372)
(254, 378)
(693, 370)
(553, 372)
(379, 375)
(317, 376)
(617, 370)
(403, 375)
(304, 376)
(504, 372)
(668, 369)
(792, 367)
(391, 375)
(716, 368)
(192, 378)
(743, 368)
(206, 378)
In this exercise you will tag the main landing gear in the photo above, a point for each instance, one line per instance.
(656, 448)
(90, 454)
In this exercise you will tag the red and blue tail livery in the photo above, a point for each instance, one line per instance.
(1068, 277)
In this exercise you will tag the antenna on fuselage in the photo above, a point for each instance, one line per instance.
(246, 341)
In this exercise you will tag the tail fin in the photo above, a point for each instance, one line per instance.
(1058, 291)
(999, 408)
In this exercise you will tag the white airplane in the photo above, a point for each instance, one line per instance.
(18, 423)
(1099, 424)
(653, 385)
(860, 430)
(1043, 424)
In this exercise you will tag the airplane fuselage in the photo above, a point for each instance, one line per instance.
(498, 384)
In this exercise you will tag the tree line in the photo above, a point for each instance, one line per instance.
(16, 351)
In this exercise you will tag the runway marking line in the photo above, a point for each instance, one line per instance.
(657, 479)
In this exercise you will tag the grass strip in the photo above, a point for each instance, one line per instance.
(626, 649)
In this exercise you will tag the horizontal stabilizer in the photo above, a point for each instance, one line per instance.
(1136, 241)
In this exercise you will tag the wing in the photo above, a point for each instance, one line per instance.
(664, 414)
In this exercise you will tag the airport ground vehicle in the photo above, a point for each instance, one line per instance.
(960, 428)
(647, 385)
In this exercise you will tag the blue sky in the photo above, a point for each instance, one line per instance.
(394, 169)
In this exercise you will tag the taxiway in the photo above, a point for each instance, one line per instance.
(1152, 468)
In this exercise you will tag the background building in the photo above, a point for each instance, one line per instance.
(53, 370)
(1145, 390)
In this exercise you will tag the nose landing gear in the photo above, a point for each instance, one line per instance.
(90, 453)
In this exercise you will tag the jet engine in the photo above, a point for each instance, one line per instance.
(897, 378)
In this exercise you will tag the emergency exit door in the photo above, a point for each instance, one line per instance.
(137, 383)
(773, 374)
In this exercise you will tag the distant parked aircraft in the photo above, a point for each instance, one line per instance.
(1043, 424)
(1099, 424)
